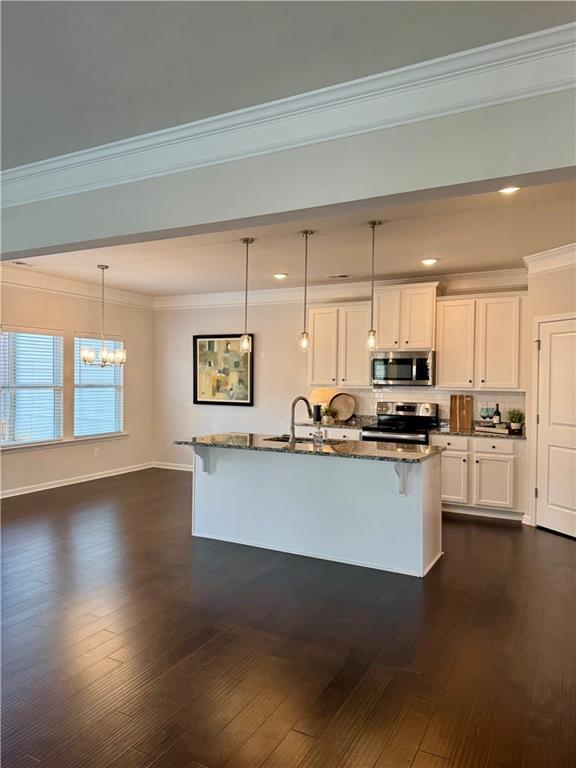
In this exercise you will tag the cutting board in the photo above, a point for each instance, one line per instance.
(461, 413)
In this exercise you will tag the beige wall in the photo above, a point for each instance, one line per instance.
(280, 374)
(552, 293)
(25, 307)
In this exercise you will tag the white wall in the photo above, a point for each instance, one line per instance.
(28, 307)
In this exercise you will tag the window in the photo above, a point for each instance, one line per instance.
(98, 392)
(31, 387)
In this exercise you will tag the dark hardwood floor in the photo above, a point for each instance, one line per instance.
(129, 644)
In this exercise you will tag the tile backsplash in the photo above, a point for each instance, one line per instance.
(367, 399)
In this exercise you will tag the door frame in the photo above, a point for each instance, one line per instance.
(530, 516)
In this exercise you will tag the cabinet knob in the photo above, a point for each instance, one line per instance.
(333, 379)
(406, 342)
(494, 447)
(448, 443)
(469, 381)
(477, 462)
(464, 460)
(395, 342)
(482, 380)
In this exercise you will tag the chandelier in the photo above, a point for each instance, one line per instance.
(106, 355)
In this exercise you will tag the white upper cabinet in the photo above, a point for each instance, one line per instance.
(323, 350)
(498, 342)
(418, 307)
(387, 306)
(455, 344)
(339, 355)
(478, 343)
(405, 316)
(353, 353)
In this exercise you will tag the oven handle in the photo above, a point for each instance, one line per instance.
(396, 435)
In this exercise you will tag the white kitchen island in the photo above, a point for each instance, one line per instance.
(365, 503)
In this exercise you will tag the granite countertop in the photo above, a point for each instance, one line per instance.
(496, 435)
(349, 449)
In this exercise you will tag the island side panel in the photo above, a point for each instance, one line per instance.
(431, 512)
(346, 510)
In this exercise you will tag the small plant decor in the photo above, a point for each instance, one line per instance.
(515, 416)
(328, 414)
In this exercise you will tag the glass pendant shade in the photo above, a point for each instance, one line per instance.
(304, 341)
(88, 356)
(245, 343)
(371, 341)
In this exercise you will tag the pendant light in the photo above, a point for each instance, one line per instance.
(371, 340)
(245, 339)
(106, 356)
(304, 340)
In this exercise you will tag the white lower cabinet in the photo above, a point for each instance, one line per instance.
(482, 472)
(330, 433)
(494, 480)
(455, 477)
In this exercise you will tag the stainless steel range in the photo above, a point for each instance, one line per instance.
(403, 423)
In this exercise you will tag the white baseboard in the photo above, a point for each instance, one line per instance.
(496, 514)
(168, 465)
(4, 494)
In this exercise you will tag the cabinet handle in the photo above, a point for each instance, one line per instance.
(494, 447)
(333, 379)
(464, 460)
(482, 380)
(448, 443)
(469, 381)
(395, 342)
(406, 342)
(477, 462)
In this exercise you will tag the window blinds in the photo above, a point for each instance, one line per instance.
(31, 366)
(98, 392)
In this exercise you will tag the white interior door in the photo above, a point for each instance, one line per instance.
(556, 457)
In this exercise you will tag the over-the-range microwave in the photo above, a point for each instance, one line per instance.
(397, 369)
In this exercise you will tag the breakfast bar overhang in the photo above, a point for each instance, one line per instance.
(370, 504)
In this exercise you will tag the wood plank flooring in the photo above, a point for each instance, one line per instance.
(128, 644)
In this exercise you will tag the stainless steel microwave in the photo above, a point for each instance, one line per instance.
(403, 369)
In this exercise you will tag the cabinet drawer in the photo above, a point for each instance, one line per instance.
(342, 433)
(450, 442)
(304, 431)
(494, 445)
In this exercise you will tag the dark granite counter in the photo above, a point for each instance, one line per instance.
(348, 449)
(496, 435)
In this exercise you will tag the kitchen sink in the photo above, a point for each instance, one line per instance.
(286, 439)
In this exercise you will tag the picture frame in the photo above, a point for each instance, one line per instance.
(223, 374)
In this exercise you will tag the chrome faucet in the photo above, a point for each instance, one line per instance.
(292, 441)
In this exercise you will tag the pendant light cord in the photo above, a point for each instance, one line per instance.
(102, 311)
(306, 235)
(373, 225)
(246, 291)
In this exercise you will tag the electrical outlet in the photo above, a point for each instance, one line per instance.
(97, 452)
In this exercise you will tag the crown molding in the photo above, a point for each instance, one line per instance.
(494, 280)
(519, 68)
(39, 281)
(548, 261)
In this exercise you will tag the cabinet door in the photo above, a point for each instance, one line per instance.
(388, 319)
(341, 433)
(353, 353)
(323, 351)
(498, 342)
(455, 343)
(455, 476)
(418, 315)
(494, 481)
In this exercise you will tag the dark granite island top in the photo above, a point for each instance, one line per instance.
(347, 449)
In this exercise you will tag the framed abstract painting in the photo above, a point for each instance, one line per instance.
(223, 374)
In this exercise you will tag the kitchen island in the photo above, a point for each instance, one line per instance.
(365, 503)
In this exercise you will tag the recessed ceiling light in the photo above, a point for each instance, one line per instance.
(429, 262)
(508, 190)
(281, 275)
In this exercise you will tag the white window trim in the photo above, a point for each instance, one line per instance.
(15, 447)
